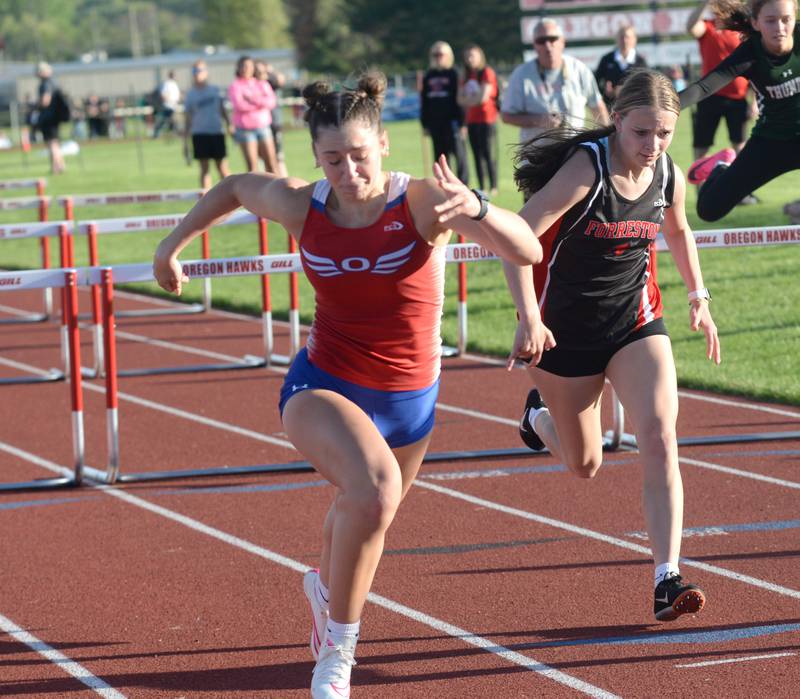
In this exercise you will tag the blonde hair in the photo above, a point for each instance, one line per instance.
(538, 160)
(447, 50)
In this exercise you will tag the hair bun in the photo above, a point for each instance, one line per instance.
(373, 85)
(313, 93)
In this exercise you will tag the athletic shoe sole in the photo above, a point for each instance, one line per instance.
(688, 602)
(526, 432)
(702, 168)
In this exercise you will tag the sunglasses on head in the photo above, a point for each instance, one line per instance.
(546, 40)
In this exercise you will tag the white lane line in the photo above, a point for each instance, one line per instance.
(740, 473)
(739, 404)
(68, 665)
(605, 538)
(456, 632)
(186, 349)
(737, 660)
(476, 414)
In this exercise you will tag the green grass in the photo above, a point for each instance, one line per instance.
(756, 294)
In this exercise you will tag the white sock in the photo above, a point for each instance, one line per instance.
(342, 634)
(535, 413)
(322, 593)
(664, 570)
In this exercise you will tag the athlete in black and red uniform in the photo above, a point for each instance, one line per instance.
(608, 193)
(358, 401)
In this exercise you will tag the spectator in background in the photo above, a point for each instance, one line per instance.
(46, 118)
(205, 114)
(97, 116)
(478, 94)
(252, 102)
(170, 99)
(276, 80)
(441, 116)
(551, 90)
(731, 101)
(613, 67)
(119, 118)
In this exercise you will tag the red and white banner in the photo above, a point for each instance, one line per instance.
(33, 279)
(741, 237)
(133, 224)
(14, 203)
(131, 197)
(20, 184)
(604, 25)
(34, 230)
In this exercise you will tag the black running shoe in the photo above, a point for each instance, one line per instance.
(674, 597)
(525, 428)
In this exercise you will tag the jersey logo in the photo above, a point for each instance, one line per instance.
(659, 202)
(393, 226)
(786, 73)
(385, 264)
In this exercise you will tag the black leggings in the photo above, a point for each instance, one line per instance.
(447, 139)
(482, 139)
(761, 160)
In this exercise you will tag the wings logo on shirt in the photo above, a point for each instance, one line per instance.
(385, 264)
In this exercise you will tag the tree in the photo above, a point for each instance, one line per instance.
(244, 24)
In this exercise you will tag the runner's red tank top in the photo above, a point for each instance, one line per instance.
(379, 295)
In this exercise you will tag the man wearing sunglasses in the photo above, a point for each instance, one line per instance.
(553, 89)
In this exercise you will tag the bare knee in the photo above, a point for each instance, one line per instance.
(375, 503)
(584, 465)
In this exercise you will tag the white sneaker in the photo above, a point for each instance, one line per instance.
(319, 615)
(331, 679)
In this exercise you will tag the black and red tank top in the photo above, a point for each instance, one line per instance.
(601, 276)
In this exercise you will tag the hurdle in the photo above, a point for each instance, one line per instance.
(197, 268)
(41, 203)
(46, 230)
(719, 238)
(70, 201)
(288, 263)
(67, 280)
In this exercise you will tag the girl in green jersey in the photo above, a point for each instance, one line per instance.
(770, 58)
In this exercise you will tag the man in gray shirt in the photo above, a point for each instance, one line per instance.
(205, 113)
(552, 89)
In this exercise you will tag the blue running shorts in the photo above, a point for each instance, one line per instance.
(402, 417)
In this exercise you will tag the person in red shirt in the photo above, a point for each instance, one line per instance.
(731, 101)
(358, 401)
(478, 94)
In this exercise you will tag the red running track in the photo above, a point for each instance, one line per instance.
(508, 578)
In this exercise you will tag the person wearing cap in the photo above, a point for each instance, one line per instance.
(552, 90)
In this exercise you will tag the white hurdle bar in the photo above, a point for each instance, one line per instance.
(42, 204)
(66, 279)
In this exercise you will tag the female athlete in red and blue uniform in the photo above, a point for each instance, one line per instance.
(608, 193)
(358, 401)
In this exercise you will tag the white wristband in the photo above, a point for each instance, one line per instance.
(699, 294)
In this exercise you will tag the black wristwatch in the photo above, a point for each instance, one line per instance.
(484, 201)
